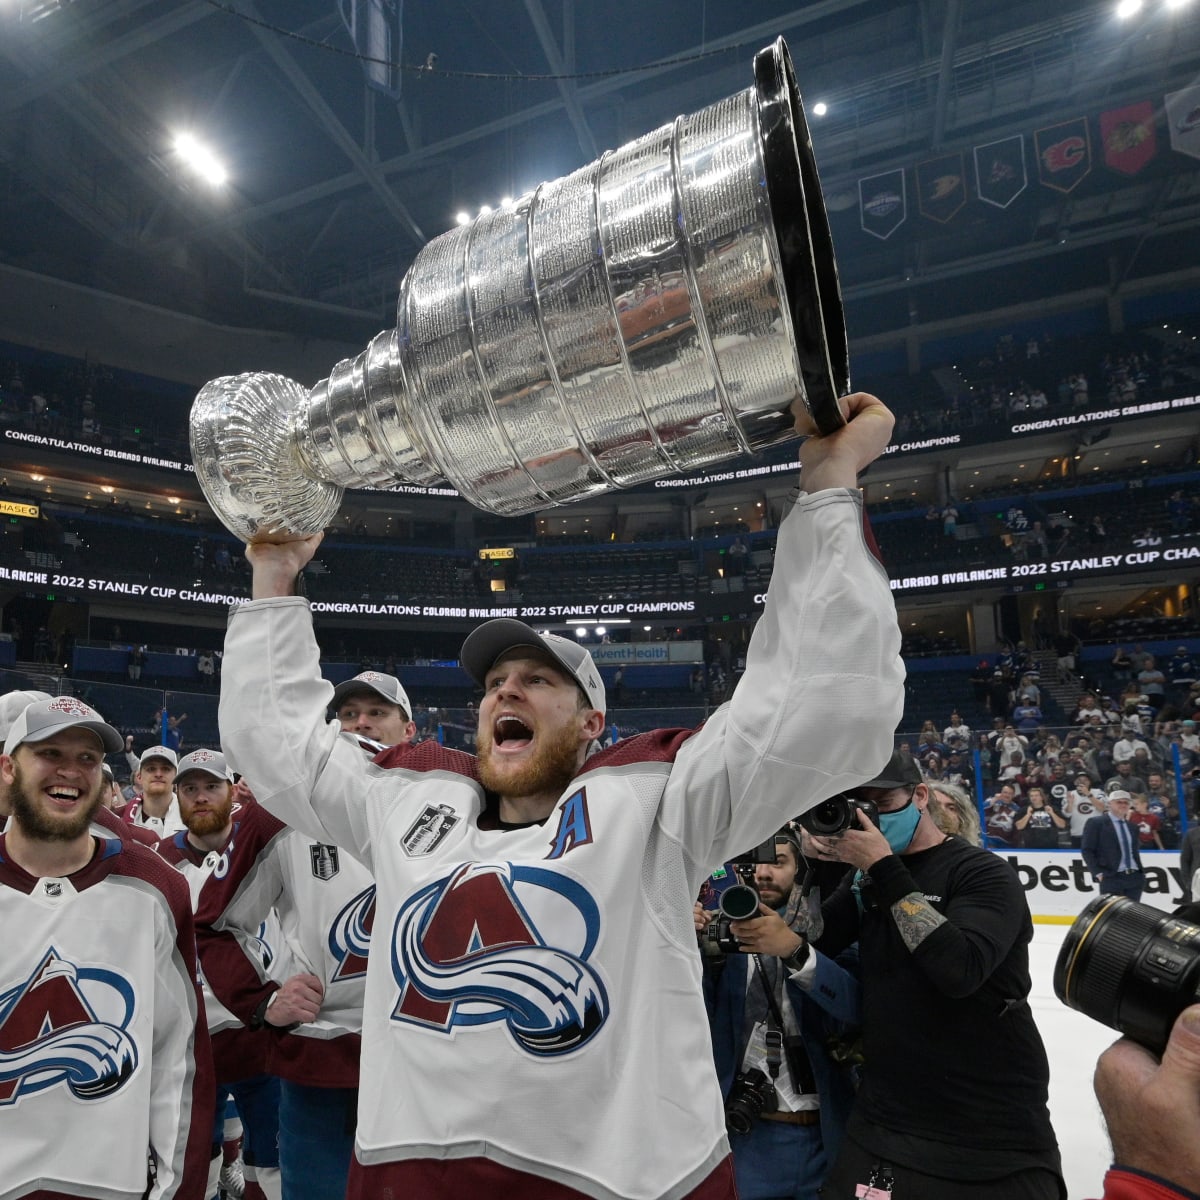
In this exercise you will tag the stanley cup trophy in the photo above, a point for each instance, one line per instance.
(659, 311)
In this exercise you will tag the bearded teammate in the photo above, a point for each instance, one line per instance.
(326, 905)
(107, 1066)
(205, 789)
(533, 1024)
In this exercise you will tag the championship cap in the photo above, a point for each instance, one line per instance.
(493, 638)
(11, 705)
(211, 762)
(899, 772)
(108, 772)
(387, 686)
(44, 718)
(164, 752)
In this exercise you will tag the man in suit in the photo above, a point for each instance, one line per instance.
(1110, 849)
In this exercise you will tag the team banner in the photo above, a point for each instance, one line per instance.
(1000, 175)
(1128, 137)
(941, 187)
(882, 203)
(1064, 154)
(1183, 120)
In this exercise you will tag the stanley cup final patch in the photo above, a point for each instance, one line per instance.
(325, 864)
(429, 830)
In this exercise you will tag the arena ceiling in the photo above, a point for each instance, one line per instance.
(335, 185)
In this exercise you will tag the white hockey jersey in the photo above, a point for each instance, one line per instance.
(533, 1012)
(104, 1055)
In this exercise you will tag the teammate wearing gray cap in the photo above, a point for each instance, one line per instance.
(99, 979)
(534, 1024)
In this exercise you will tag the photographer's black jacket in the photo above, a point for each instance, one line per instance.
(955, 1069)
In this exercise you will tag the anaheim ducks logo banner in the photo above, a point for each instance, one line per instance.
(942, 187)
(882, 203)
(1183, 120)
(1064, 154)
(1000, 175)
(1127, 135)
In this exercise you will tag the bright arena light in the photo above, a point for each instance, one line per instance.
(1128, 8)
(820, 108)
(463, 218)
(200, 160)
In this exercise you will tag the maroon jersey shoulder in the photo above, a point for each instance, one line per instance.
(428, 756)
(659, 745)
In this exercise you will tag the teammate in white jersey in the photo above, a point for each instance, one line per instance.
(204, 786)
(533, 1026)
(105, 1067)
(154, 777)
(326, 906)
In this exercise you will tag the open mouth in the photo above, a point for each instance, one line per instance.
(510, 734)
(65, 797)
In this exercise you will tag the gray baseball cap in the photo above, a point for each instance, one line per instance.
(211, 762)
(44, 718)
(164, 752)
(387, 686)
(494, 638)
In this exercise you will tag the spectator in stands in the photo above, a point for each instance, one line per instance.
(1085, 709)
(137, 660)
(1162, 804)
(958, 728)
(1039, 824)
(1082, 803)
(1179, 512)
(949, 519)
(981, 677)
(999, 694)
(1000, 814)
(1126, 746)
(1146, 823)
(206, 668)
(1189, 864)
(1066, 649)
(1125, 780)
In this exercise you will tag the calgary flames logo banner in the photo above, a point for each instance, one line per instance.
(1064, 154)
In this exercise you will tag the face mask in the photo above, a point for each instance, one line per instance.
(900, 826)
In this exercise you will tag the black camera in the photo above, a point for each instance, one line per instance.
(1131, 967)
(737, 902)
(836, 815)
(752, 1095)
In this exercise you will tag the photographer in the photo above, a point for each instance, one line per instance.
(954, 1095)
(793, 1105)
(1152, 1110)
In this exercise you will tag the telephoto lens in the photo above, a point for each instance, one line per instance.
(836, 815)
(1132, 967)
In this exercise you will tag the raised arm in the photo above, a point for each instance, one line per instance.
(817, 707)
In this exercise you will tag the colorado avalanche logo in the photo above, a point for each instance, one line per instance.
(480, 946)
(350, 936)
(52, 1032)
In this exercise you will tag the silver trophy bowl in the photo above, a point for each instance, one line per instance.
(659, 311)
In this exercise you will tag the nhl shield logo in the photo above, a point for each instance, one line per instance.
(325, 864)
(429, 830)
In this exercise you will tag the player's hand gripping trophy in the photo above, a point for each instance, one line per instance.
(668, 307)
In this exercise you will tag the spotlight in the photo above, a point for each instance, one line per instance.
(820, 108)
(1128, 8)
(199, 159)
(463, 218)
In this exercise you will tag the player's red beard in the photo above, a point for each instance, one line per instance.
(44, 826)
(553, 765)
(211, 820)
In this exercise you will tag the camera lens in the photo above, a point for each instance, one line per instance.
(739, 902)
(829, 817)
(1132, 967)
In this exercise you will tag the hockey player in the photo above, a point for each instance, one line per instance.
(326, 905)
(107, 1086)
(204, 786)
(533, 1024)
(154, 778)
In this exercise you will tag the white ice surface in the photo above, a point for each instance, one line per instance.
(1073, 1042)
